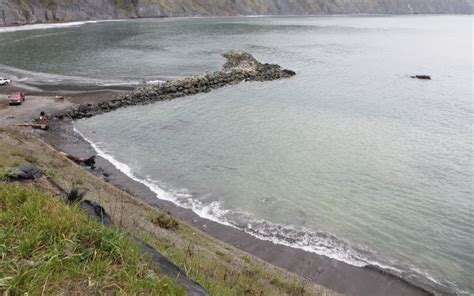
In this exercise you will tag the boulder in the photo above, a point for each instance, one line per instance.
(25, 172)
(239, 60)
(96, 212)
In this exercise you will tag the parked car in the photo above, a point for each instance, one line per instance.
(4, 81)
(16, 98)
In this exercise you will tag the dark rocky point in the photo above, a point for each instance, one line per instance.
(240, 66)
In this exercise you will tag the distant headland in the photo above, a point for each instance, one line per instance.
(28, 12)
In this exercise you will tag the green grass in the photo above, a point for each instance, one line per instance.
(48, 247)
(3, 174)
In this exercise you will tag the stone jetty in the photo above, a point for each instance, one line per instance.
(240, 67)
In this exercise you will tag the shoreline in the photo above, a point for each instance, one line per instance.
(330, 273)
(80, 22)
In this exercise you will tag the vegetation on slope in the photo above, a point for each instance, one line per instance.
(47, 247)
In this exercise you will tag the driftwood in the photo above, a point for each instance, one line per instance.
(88, 162)
(43, 127)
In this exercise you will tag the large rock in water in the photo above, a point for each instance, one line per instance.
(241, 63)
(240, 60)
(422, 77)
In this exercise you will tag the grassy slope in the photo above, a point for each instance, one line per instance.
(48, 247)
(220, 268)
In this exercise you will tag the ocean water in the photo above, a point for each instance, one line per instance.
(351, 158)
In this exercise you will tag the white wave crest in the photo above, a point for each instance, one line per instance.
(49, 26)
(155, 82)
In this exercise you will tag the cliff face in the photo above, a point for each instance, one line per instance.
(33, 11)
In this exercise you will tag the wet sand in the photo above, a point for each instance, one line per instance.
(335, 275)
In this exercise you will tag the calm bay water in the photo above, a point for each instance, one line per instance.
(350, 158)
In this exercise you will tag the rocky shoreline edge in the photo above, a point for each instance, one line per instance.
(240, 67)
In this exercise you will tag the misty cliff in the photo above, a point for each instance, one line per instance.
(33, 11)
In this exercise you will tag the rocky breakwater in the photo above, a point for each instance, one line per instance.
(240, 67)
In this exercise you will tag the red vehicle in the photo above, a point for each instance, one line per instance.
(16, 98)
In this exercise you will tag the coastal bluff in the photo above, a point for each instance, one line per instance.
(240, 66)
(16, 12)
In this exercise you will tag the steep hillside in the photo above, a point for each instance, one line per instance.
(24, 11)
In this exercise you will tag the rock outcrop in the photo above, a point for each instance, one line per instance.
(33, 11)
(240, 66)
(24, 172)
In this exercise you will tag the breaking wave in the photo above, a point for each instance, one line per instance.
(49, 26)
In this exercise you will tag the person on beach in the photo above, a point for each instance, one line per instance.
(43, 116)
